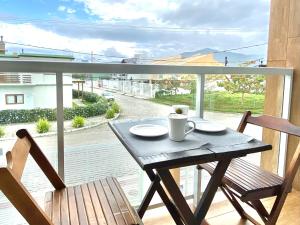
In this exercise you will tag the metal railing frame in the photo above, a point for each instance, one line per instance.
(59, 68)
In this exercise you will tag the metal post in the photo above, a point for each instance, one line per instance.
(199, 113)
(60, 124)
(92, 83)
(197, 186)
(200, 95)
(286, 105)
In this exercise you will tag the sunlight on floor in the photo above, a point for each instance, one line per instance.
(223, 213)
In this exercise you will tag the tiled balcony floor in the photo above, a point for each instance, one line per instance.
(223, 213)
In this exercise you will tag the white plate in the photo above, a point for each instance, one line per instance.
(209, 127)
(148, 130)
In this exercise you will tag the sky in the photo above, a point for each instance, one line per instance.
(113, 29)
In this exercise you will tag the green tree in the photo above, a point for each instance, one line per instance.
(243, 84)
(170, 85)
(193, 86)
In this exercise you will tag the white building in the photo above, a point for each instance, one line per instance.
(27, 90)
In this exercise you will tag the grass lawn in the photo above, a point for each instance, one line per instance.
(218, 101)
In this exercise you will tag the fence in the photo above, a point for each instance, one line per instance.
(135, 88)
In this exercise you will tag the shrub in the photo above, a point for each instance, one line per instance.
(115, 107)
(91, 97)
(85, 111)
(26, 115)
(75, 93)
(162, 92)
(78, 121)
(32, 115)
(2, 132)
(110, 113)
(42, 126)
(87, 96)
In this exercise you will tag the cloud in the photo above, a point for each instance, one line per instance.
(220, 14)
(63, 8)
(158, 40)
(164, 27)
(30, 34)
(126, 9)
(69, 10)
(112, 52)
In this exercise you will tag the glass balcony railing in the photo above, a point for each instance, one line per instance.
(93, 152)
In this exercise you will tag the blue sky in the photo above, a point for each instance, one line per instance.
(42, 9)
(123, 28)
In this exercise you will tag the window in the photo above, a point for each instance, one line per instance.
(14, 99)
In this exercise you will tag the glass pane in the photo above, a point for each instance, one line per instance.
(227, 97)
(33, 178)
(10, 99)
(20, 99)
(95, 152)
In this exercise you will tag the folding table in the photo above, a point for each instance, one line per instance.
(156, 156)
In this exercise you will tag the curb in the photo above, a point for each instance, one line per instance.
(67, 131)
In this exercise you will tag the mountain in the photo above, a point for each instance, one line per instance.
(234, 59)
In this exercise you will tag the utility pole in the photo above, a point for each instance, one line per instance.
(92, 59)
(226, 61)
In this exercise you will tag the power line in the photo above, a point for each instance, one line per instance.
(114, 25)
(121, 57)
(63, 50)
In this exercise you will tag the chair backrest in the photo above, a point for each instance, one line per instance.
(281, 125)
(10, 178)
(17, 157)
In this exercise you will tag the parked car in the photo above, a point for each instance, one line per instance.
(108, 96)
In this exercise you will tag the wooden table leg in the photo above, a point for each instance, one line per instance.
(184, 210)
(156, 186)
(178, 199)
(148, 197)
(211, 189)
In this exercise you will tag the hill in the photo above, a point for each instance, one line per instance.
(234, 58)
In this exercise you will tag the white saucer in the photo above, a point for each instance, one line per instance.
(148, 130)
(209, 127)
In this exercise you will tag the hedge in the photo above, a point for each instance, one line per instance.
(87, 96)
(33, 115)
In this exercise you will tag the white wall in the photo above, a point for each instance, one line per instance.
(37, 95)
(45, 96)
(16, 89)
(39, 78)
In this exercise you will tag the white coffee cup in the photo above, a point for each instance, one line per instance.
(177, 125)
(181, 109)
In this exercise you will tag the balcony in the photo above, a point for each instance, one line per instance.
(98, 153)
(15, 79)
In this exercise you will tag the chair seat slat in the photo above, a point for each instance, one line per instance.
(250, 183)
(244, 179)
(95, 203)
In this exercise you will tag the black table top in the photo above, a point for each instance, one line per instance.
(198, 147)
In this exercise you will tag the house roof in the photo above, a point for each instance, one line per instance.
(8, 56)
(35, 55)
(195, 60)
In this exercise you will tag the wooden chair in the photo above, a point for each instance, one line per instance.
(250, 183)
(99, 202)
